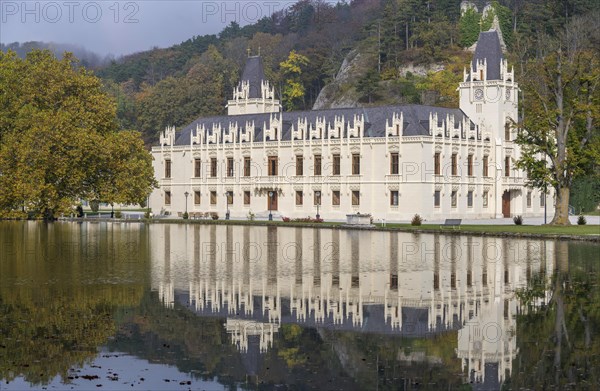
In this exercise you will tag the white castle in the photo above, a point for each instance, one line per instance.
(389, 161)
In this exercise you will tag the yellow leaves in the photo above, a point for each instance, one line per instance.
(53, 147)
(293, 65)
(293, 91)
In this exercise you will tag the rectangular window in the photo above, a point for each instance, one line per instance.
(542, 199)
(485, 199)
(336, 164)
(437, 164)
(317, 165)
(335, 200)
(247, 166)
(507, 166)
(229, 166)
(197, 197)
(299, 198)
(229, 197)
(355, 197)
(453, 198)
(213, 167)
(272, 166)
(213, 198)
(167, 169)
(394, 198)
(197, 168)
(246, 198)
(529, 199)
(470, 199)
(355, 164)
(507, 132)
(299, 165)
(485, 165)
(470, 165)
(436, 198)
(394, 164)
(454, 164)
(167, 198)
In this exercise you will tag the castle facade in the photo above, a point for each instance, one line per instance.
(390, 161)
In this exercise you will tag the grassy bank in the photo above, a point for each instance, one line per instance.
(578, 230)
(573, 230)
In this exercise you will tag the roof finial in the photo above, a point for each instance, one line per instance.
(248, 51)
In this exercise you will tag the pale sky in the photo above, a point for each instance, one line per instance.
(120, 27)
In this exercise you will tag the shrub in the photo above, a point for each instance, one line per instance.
(79, 211)
(306, 220)
(118, 214)
(214, 216)
(581, 220)
(185, 215)
(95, 205)
(250, 216)
(518, 220)
(285, 219)
(147, 214)
(416, 220)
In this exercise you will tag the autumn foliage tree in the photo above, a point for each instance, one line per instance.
(59, 140)
(559, 136)
(293, 90)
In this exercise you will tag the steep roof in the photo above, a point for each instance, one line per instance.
(416, 121)
(254, 74)
(489, 48)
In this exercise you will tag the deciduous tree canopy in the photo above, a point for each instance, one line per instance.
(559, 135)
(59, 140)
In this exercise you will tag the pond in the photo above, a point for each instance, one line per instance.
(116, 306)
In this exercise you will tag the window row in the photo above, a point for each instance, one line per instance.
(437, 199)
(272, 166)
(273, 169)
(213, 197)
(317, 199)
(437, 170)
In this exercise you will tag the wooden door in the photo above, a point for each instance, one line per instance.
(272, 201)
(506, 204)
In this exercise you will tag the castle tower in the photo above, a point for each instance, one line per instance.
(253, 94)
(489, 93)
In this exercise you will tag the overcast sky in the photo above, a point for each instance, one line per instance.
(121, 27)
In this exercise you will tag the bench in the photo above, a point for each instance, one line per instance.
(451, 223)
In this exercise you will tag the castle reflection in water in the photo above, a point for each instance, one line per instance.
(405, 284)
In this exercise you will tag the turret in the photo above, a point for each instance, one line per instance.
(488, 93)
(254, 93)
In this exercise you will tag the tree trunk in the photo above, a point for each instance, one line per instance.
(561, 211)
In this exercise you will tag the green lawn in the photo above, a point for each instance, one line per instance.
(529, 229)
(525, 229)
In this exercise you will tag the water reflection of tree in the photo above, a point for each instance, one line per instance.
(55, 308)
(558, 330)
(43, 339)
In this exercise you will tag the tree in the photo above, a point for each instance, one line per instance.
(367, 86)
(293, 90)
(469, 27)
(59, 137)
(559, 135)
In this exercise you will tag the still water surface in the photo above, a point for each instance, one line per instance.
(136, 306)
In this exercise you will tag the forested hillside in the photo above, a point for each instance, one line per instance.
(391, 39)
